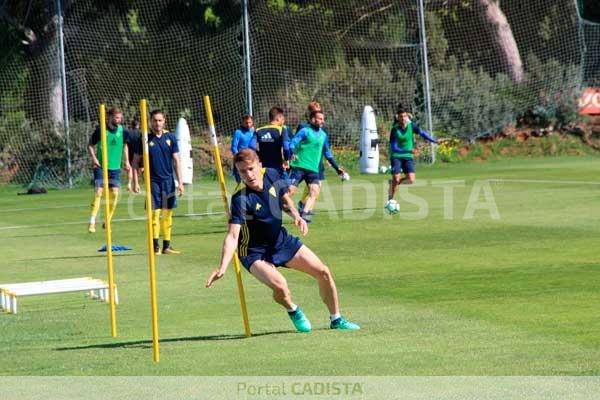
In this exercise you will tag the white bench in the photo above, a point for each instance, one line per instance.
(10, 292)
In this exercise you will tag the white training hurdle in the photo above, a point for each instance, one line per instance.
(10, 292)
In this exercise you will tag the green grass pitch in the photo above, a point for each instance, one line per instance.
(436, 293)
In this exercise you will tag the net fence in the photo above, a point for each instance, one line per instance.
(490, 66)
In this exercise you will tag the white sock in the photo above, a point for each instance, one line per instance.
(335, 316)
(92, 220)
(292, 308)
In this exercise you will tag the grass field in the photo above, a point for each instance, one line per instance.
(512, 293)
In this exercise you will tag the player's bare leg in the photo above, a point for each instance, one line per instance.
(314, 191)
(396, 180)
(269, 275)
(308, 262)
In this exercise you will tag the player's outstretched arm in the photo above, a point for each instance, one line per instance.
(329, 157)
(290, 209)
(126, 160)
(235, 142)
(177, 164)
(92, 153)
(229, 245)
(137, 166)
(427, 136)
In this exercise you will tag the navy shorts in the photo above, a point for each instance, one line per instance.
(114, 178)
(277, 256)
(164, 194)
(406, 165)
(300, 174)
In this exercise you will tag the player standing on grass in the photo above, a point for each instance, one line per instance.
(315, 106)
(163, 153)
(308, 147)
(263, 244)
(117, 140)
(272, 142)
(243, 137)
(402, 137)
(135, 139)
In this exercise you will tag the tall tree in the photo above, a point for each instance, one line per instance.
(496, 26)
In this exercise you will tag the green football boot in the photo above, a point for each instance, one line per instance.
(341, 323)
(301, 323)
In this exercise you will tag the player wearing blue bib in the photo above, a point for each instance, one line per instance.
(243, 137)
(163, 153)
(263, 244)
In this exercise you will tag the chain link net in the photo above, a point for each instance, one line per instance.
(344, 54)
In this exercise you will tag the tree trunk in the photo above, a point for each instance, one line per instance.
(503, 38)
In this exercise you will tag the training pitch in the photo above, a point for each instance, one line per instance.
(488, 269)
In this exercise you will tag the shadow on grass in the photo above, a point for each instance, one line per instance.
(102, 255)
(148, 343)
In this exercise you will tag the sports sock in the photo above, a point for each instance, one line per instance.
(335, 316)
(95, 206)
(166, 224)
(156, 224)
(114, 199)
(166, 244)
(292, 309)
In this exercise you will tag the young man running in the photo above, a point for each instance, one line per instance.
(316, 106)
(402, 151)
(308, 147)
(263, 243)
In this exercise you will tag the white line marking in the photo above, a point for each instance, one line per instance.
(6, 228)
(557, 182)
(187, 197)
(43, 208)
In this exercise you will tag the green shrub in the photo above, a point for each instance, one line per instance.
(473, 103)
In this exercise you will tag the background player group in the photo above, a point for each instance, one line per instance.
(269, 166)
(297, 158)
(164, 164)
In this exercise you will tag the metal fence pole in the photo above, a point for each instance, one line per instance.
(247, 66)
(63, 79)
(426, 70)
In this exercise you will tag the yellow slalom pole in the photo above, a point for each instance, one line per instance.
(236, 261)
(107, 222)
(153, 304)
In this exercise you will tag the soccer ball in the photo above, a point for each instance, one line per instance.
(392, 207)
(345, 176)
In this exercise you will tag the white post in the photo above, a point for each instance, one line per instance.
(63, 79)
